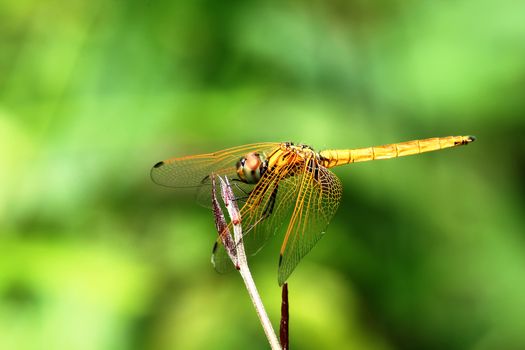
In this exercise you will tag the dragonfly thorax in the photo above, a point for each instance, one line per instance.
(251, 167)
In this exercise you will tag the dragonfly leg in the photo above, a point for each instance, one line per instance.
(313, 167)
(246, 193)
(268, 210)
(271, 203)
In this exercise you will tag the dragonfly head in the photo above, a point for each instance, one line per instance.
(251, 167)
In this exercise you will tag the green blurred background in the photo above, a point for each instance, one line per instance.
(425, 252)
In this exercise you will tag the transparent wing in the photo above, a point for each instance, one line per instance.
(265, 212)
(194, 171)
(317, 196)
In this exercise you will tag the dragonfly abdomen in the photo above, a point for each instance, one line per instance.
(331, 158)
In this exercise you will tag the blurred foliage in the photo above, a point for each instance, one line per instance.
(426, 252)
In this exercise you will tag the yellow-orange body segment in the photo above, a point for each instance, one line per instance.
(331, 158)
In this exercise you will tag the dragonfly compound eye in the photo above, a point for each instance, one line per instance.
(251, 167)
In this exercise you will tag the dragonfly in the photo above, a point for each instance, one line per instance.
(282, 188)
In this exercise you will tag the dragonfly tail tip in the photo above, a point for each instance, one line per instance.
(471, 138)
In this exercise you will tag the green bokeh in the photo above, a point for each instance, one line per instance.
(425, 252)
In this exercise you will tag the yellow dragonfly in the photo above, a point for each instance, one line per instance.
(282, 188)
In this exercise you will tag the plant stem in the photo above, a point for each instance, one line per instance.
(242, 263)
(285, 319)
